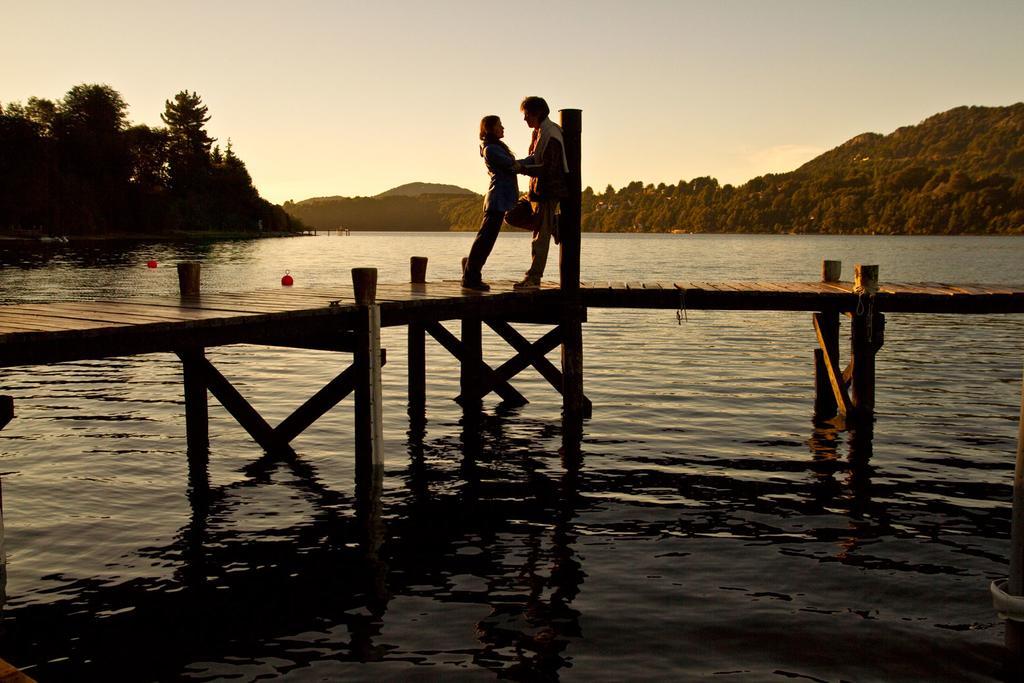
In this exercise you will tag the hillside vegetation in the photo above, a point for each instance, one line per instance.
(961, 171)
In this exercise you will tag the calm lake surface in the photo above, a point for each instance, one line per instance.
(711, 530)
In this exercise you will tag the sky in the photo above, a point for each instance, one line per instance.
(332, 97)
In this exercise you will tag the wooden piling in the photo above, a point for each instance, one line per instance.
(188, 279)
(197, 416)
(472, 357)
(831, 271)
(369, 435)
(867, 329)
(571, 206)
(416, 349)
(6, 410)
(573, 312)
(1015, 582)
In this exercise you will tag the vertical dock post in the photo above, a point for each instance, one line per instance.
(472, 359)
(416, 349)
(369, 434)
(569, 271)
(6, 410)
(1015, 582)
(197, 421)
(825, 407)
(866, 335)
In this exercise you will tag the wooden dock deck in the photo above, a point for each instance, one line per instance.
(322, 317)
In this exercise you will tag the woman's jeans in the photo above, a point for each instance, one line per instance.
(482, 245)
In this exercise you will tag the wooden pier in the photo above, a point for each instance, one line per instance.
(343, 319)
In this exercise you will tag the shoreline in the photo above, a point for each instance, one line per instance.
(184, 236)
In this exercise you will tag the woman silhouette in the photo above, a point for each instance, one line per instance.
(501, 196)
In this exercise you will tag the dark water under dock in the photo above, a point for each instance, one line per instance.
(711, 529)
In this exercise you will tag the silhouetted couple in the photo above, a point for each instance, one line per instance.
(547, 167)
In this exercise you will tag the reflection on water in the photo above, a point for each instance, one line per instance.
(698, 524)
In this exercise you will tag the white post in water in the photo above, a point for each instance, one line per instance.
(1015, 584)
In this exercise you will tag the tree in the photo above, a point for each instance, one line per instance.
(188, 144)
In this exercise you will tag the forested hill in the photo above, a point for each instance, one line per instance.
(961, 171)
(978, 141)
(415, 206)
(77, 166)
(417, 189)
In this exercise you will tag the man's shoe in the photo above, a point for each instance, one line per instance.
(527, 283)
(476, 285)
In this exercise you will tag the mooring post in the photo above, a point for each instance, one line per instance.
(573, 312)
(825, 406)
(417, 356)
(188, 278)
(867, 330)
(197, 420)
(369, 435)
(1015, 581)
(470, 379)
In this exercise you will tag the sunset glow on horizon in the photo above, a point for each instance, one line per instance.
(341, 98)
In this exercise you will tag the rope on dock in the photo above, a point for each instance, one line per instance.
(681, 311)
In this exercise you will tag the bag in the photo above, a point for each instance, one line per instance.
(522, 216)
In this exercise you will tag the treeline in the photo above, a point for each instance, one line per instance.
(77, 166)
(387, 212)
(961, 171)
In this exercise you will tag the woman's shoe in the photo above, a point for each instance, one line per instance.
(527, 283)
(476, 285)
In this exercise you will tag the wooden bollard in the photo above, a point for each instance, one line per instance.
(416, 350)
(418, 269)
(825, 406)
(188, 279)
(364, 282)
(865, 279)
(369, 435)
(831, 271)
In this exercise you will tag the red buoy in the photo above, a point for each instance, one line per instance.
(287, 280)
(151, 263)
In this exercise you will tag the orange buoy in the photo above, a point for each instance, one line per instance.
(287, 280)
(151, 263)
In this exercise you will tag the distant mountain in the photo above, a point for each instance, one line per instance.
(418, 189)
(428, 211)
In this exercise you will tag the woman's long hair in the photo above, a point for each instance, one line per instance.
(487, 135)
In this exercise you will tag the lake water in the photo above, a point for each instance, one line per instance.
(710, 531)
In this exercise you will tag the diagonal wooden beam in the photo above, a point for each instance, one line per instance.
(534, 354)
(240, 409)
(835, 377)
(501, 386)
(317, 406)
